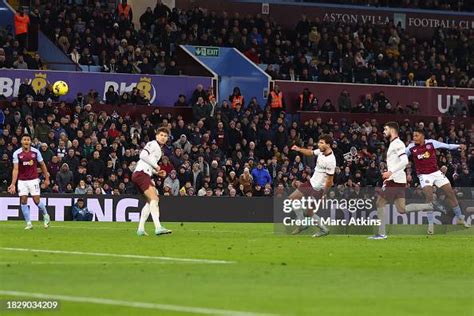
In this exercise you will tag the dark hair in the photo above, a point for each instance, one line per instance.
(26, 135)
(327, 139)
(393, 125)
(163, 130)
(419, 130)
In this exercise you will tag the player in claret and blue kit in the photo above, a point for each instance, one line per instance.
(423, 153)
(25, 171)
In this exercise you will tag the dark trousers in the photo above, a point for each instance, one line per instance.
(22, 40)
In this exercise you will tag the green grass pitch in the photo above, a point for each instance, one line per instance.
(258, 272)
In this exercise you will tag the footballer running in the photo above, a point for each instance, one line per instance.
(423, 153)
(319, 184)
(394, 179)
(25, 172)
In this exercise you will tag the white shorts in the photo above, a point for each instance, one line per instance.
(26, 187)
(436, 178)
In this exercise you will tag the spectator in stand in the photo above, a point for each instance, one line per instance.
(260, 175)
(199, 92)
(124, 11)
(459, 108)
(246, 181)
(181, 101)
(22, 22)
(112, 97)
(200, 110)
(275, 101)
(161, 10)
(172, 183)
(431, 81)
(20, 63)
(344, 102)
(327, 106)
(64, 177)
(307, 101)
(236, 98)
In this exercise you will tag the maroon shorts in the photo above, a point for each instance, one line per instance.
(307, 190)
(142, 180)
(391, 191)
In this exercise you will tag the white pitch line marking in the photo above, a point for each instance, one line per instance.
(105, 301)
(81, 262)
(52, 226)
(104, 254)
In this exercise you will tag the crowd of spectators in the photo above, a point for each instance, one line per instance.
(459, 5)
(13, 55)
(377, 103)
(242, 151)
(313, 50)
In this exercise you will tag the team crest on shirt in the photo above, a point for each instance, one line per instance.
(428, 146)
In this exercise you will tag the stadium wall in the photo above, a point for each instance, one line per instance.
(433, 101)
(125, 208)
(53, 55)
(162, 90)
(234, 70)
(363, 117)
(6, 16)
(422, 23)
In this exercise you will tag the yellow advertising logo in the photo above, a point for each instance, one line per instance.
(426, 155)
(39, 82)
(145, 85)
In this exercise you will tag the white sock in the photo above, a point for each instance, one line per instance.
(430, 217)
(144, 216)
(415, 207)
(155, 213)
(381, 216)
(299, 213)
(318, 222)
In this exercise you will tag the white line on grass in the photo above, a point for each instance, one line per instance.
(82, 262)
(105, 301)
(104, 254)
(132, 229)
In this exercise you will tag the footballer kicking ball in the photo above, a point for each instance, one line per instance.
(60, 88)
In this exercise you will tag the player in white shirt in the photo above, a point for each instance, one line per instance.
(146, 167)
(395, 178)
(319, 184)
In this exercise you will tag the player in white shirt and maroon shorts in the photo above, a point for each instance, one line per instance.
(25, 172)
(423, 153)
(395, 179)
(141, 177)
(321, 181)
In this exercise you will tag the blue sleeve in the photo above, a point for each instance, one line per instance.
(440, 145)
(269, 177)
(408, 149)
(15, 157)
(39, 156)
(74, 211)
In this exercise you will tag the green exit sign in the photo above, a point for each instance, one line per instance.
(207, 51)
